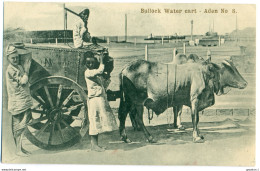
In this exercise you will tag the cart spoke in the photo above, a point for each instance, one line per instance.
(67, 125)
(77, 118)
(75, 107)
(41, 115)
(35, 121)
(71, 108)
(50, 127)
(68, 98)
(43, 128)
(59, 95)
(38, 111)
(51, 134)
(36, 106)
(60, 132)
(48, 95)
(67, 115)
(38, 98)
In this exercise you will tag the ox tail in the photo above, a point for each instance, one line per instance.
(126, 105)
(122, 94)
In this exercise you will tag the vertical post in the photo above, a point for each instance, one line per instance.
(108, 40)
(174, 54)
(146, 53)
(162, 40)
(65, 22)
(135, 41)
(56, 40)
(208, 55)
(31, 41)
(236, 30)
(213, 26)
(219, 41)
(78, 66)
(125, 27)
(184, 48)
(191, 32)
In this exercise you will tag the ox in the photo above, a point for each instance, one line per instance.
(179, 59)
(160, 86)
(177, 110)
(228, 70)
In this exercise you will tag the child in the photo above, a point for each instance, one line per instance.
(19, 99)
(101, 117)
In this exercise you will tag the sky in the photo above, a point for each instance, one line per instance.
(109, 18)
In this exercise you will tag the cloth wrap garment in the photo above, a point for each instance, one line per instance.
(101, 117)
(19, 99)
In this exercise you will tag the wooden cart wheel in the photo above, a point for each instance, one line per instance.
(60, 107)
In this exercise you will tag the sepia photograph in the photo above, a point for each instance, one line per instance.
(109, 83)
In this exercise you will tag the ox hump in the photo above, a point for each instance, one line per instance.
(137, 67)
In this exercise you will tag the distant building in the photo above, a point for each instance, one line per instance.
(44, 36)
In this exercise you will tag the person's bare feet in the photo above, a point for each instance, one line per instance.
(22, 154)
(97, 148)
(26, 152)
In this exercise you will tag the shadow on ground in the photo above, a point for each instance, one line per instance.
(164, 134)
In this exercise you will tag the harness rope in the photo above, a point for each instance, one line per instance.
(221, 88)
(150, 117)
(167, 94)
(174, 90)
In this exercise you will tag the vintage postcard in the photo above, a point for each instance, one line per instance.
(129, 84)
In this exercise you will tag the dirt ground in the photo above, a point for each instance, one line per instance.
(229, 139)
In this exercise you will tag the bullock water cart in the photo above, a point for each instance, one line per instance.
(59, 92)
